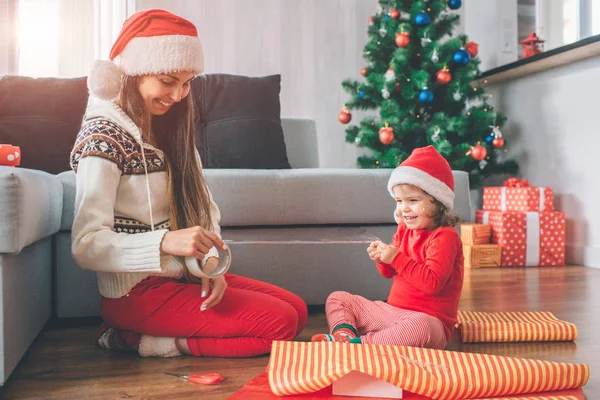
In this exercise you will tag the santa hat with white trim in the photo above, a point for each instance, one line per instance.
(150, 42)
(429, 171)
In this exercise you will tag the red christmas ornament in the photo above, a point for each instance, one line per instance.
(363, 72)
(371, 19)
(478, 152)
(498, 142)
(394, 14)
(443, 76)
(386, 135)
(472, 48)
(397, 88)
(345, 116)
(402, 39)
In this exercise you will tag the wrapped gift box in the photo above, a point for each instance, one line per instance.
(482, 255)
(503, 198)
(527, 238)
(475, 233)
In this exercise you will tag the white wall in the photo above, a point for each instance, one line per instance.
(493, 25)
(554, 133)
(313, 44)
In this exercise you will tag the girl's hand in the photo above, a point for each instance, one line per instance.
(387, 252)
(219, 285)
(373, 251)
(190, 242)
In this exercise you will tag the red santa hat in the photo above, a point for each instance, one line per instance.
(150, 42)
(429, 171)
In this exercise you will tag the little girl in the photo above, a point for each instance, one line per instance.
(425, 260)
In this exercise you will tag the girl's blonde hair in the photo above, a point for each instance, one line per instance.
(442, 215)
(173, 133)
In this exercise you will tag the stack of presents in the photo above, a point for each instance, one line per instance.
(517, 227)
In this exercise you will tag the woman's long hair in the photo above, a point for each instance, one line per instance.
(173, 133)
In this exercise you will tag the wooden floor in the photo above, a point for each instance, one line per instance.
(64, 362)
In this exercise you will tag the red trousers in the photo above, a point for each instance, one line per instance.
(251, 315)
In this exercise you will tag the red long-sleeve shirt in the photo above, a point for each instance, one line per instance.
(427, 272)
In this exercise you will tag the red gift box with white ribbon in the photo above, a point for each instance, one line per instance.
(504, 198)
(527, 238)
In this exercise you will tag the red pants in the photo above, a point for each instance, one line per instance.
(251, 315)
(380, 323)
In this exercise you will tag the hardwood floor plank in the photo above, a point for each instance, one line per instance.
(65, 363)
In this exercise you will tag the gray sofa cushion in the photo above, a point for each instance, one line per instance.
(42, 116)
(312, 196)
(30, 207)
(239, 122)
(45, 142)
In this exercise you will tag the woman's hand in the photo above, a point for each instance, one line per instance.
(190, 242)
(373, 251)
(387, 252)
(219, 285)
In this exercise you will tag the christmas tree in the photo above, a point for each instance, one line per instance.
(421, 81)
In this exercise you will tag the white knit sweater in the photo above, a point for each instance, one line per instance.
(116, 196)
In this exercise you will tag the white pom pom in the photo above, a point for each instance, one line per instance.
(104, 80)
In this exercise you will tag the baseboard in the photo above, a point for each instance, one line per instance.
(583, 255)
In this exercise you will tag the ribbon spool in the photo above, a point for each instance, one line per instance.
(193, 265)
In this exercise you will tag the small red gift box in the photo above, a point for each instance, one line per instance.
(503, 198)
(527, 238)
(10, 155)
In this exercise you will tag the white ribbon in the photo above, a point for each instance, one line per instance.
(532, 249)
(503, 199)
(542, 198)
(486, 218)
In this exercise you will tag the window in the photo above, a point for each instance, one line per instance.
(60, 38)
(37, 38)
(571, 21)
(596, 17)
(558, 22)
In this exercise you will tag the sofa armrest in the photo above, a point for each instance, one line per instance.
(30, 207)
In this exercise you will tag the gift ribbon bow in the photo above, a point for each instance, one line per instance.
(516, 182)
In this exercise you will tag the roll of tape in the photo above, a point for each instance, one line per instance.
(195, 268)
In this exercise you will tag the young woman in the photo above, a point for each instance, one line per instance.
(142, 206)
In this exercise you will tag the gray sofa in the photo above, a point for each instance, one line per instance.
(40, 278)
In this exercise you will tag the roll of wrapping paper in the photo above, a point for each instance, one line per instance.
(195, 268)
(531, 326)
(300, 367)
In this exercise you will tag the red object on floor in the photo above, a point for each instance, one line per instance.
(203, 379)
(259, 389)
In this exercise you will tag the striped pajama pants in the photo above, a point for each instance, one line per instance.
(380, 323)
